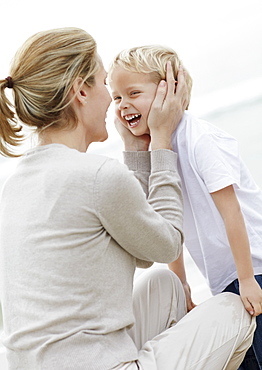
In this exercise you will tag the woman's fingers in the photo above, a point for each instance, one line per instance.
(160, 96)
(167, 108)
(170, 79)
(177, 90)
(181, 88)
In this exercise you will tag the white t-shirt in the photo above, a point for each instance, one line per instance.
(208, 160)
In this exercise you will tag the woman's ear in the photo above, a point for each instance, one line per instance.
(79, 90)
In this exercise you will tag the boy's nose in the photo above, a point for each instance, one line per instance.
(124, 104)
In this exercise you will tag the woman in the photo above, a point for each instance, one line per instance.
(74, 226)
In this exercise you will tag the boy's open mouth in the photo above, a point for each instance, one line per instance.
(132, 119)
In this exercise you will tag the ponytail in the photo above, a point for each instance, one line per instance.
(43, 72)
(10, 131)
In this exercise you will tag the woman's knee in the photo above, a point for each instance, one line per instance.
(158, 279)
(161, 285)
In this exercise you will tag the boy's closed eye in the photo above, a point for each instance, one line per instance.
(131, 94)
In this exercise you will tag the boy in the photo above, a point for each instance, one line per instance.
(222, 203)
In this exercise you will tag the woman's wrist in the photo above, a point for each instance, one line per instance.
(158, 142)
(138, 144)
(136, 148)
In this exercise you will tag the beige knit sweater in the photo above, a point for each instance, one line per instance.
(73, 227)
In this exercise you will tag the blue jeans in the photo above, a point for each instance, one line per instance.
(253, 358)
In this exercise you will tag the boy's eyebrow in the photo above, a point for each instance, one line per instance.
(134, 86)
(128, 88)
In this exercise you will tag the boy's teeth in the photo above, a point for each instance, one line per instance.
(128, 118)
(131, 124)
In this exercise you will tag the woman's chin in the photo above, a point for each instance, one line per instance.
(104, 138)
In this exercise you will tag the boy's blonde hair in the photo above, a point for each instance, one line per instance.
(150, 59)
(42, 74)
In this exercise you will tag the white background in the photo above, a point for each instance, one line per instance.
(219, 42)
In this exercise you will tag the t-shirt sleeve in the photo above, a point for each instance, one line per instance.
(217, 161)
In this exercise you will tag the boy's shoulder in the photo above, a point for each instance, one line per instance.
(190, 122)
(193, 131)
(202, 125)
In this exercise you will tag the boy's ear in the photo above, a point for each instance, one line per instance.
(80, 90)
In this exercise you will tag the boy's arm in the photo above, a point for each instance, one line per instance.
(178, 267)
(229, 208)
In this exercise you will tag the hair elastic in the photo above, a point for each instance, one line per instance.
(9, 82)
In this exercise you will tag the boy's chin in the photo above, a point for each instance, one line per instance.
(138, 132)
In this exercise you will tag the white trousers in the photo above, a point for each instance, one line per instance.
(215, 335)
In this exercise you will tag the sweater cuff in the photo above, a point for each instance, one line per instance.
(163, 160)
(138, 161)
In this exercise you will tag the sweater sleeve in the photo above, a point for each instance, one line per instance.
(149, 229)
(140, 164)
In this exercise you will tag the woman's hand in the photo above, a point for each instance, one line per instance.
(132, 142)
(167, 109)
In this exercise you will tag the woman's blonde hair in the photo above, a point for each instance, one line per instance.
(150, 59)
(42, 74)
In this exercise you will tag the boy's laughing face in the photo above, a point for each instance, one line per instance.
(133, 94)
